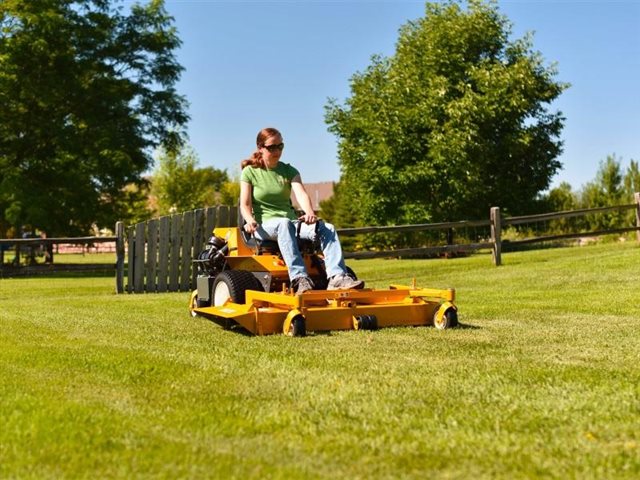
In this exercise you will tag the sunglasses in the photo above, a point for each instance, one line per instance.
(275, 147)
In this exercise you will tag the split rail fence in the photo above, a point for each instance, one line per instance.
(160, 251)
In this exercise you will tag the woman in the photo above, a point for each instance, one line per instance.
(266, 184)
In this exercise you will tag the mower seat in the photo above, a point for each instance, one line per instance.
(262, 246)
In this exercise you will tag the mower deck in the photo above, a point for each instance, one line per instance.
(321, 310)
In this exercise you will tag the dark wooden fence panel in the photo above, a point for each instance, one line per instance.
(163, 254)
(152, 255)
(131, 255)
(185, 252)
(160, 250)
(119, 257)
(139, 244)
(174, 255)
(198, 240)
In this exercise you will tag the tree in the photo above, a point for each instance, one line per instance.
(86, 94)
(631, 181)
(230, 192)
(606, 190)
(455, 122)
(179, 185)
(559, 199)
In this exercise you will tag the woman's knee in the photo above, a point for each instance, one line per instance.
(327, 232)
(326, 229)
(328, 226)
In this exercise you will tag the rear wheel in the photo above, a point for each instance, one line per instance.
(233, 284)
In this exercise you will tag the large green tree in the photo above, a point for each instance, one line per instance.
(87, 92)
(457, 121)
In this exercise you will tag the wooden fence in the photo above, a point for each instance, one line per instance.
(160, 251)
(27, 249)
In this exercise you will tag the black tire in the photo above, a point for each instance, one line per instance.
(453, 317)
(449, 319)
(351, 273)
(298, 326)
(233, 284)
(367, 322)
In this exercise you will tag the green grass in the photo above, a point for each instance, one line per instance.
(541, 381)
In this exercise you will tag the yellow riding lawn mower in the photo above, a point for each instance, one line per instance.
(245, 283)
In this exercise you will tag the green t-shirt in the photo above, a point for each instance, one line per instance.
(271, 191)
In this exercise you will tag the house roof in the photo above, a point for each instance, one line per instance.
(317, 193)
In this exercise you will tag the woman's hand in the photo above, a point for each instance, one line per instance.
(308, 218)
(250, 227)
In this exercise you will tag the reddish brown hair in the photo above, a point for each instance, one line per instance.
(255, 160)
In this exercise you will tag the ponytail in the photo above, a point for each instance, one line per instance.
(255, 160)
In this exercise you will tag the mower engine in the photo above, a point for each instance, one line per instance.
(211, 261)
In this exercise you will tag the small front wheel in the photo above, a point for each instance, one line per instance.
(193, 303)
(294, 324)
(445, 319)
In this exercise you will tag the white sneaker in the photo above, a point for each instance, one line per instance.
(302, 284)
(344, 281)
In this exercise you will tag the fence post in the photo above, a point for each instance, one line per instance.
(131, 249)
(163, 253)
(185, 258)
(139, 262)
(174, 265)
(637, 197)
(496, 236)
(119, 257)
(152, 255)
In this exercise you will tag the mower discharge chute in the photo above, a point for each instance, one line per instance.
(242, 282)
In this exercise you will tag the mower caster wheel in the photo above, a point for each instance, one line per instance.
(295, 325)
(193, 303)
(365, 322)
(445, 319)
(298, 327)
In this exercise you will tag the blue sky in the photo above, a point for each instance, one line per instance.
(251, 64)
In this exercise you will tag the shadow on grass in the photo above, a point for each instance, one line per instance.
(467, 326)
(239, 330)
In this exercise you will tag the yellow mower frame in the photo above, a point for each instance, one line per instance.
(269, 312)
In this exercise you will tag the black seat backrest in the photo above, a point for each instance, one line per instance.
(261, 246)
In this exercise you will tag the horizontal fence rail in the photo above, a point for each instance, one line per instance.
(420, 227)
(156, 255)
(160, 251)
(30, 248)
(541, 217)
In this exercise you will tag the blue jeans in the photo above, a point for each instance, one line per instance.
(283, 231)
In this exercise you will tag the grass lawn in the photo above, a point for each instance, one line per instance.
(541, 381)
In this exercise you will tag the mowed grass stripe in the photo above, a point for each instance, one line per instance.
(542, 380)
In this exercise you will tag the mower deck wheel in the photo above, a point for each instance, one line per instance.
(448, 320)
(193, 303)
